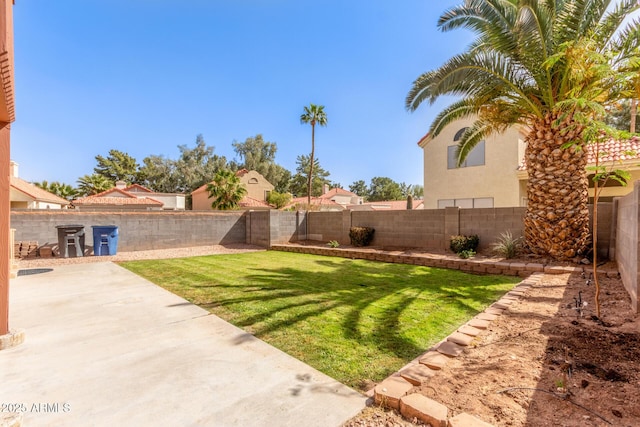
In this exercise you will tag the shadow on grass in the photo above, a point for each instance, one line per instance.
(395, 309)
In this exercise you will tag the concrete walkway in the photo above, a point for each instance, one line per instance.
(105, 347)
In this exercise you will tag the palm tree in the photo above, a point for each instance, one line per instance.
(226, 190)
(551, 66)
(89, 185)
(313, 114)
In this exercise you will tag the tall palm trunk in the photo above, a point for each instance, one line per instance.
(557, 219)
(634, 114)
(313, 149)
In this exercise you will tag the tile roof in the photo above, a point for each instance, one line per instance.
(36, 192)
(140, 188)
(610, 151)
(250, 202)
(315, 201)
(392, 205)
(337, 191)
(124, 199)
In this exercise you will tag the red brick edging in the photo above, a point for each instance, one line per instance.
(480, 265)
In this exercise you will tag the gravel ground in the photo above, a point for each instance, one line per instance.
(139, 255)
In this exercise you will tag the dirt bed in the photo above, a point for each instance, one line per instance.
(545, 363)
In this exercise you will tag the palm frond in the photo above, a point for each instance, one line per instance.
(608, 28)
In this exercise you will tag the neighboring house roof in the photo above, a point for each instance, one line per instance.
(610, 151)
(35, 192)
(392, 205)
(250, 202)
(138, 189)
(315, 201)
(117, 197)
(423, 141)
(200, 189)
(337, 192)
(242, 172)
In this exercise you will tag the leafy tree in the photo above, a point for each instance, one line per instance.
(89, 185)
(418, 191)
(313, 114)
(283, 185)
(383, 188)
(117, 166)
(299, 182)
(552, 66)
(197, 165)
(159, 174)
(279, 200)
(226, 190)
(257, 154)
(619, 116)
(360, 188)
(65, 191)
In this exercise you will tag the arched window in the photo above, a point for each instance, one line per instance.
(459, 134)
(474, 158)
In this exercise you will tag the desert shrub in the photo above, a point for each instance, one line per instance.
(464, 243)
(361, 236)
(467, 253)
(333, 243)
(507, 245)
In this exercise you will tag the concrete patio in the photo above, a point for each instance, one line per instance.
(105, 347)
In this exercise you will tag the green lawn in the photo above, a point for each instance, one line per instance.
(354, 320)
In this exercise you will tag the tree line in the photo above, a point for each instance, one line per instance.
(198, 165)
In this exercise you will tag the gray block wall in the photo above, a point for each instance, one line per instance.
(628, 241)
(489, 223)
(137, 231)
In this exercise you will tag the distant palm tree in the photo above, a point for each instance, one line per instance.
(551, 66)
(89, 185)
(313, 114)
(226, 190)
(59, 189)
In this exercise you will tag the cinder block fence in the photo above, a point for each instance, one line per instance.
(618, 236)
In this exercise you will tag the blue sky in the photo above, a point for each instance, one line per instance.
(144, 76)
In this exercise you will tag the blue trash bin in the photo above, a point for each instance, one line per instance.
(105, 240)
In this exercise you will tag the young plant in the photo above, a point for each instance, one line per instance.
(333, 244)
(602, 173)
(507, 246)
(466, 253)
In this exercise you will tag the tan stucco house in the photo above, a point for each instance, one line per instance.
(494, 173)
(24, 195)
(258, 189)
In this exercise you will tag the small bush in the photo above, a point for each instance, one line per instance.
(507, 245)
(361, 236)
(333, 243)
(464, 243)
(467, 253)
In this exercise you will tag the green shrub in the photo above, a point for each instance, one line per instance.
(333, 243)
(361, 236)
(507, 245)
(458, 244)
(467, 253)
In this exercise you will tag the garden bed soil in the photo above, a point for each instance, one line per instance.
(545, 363)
